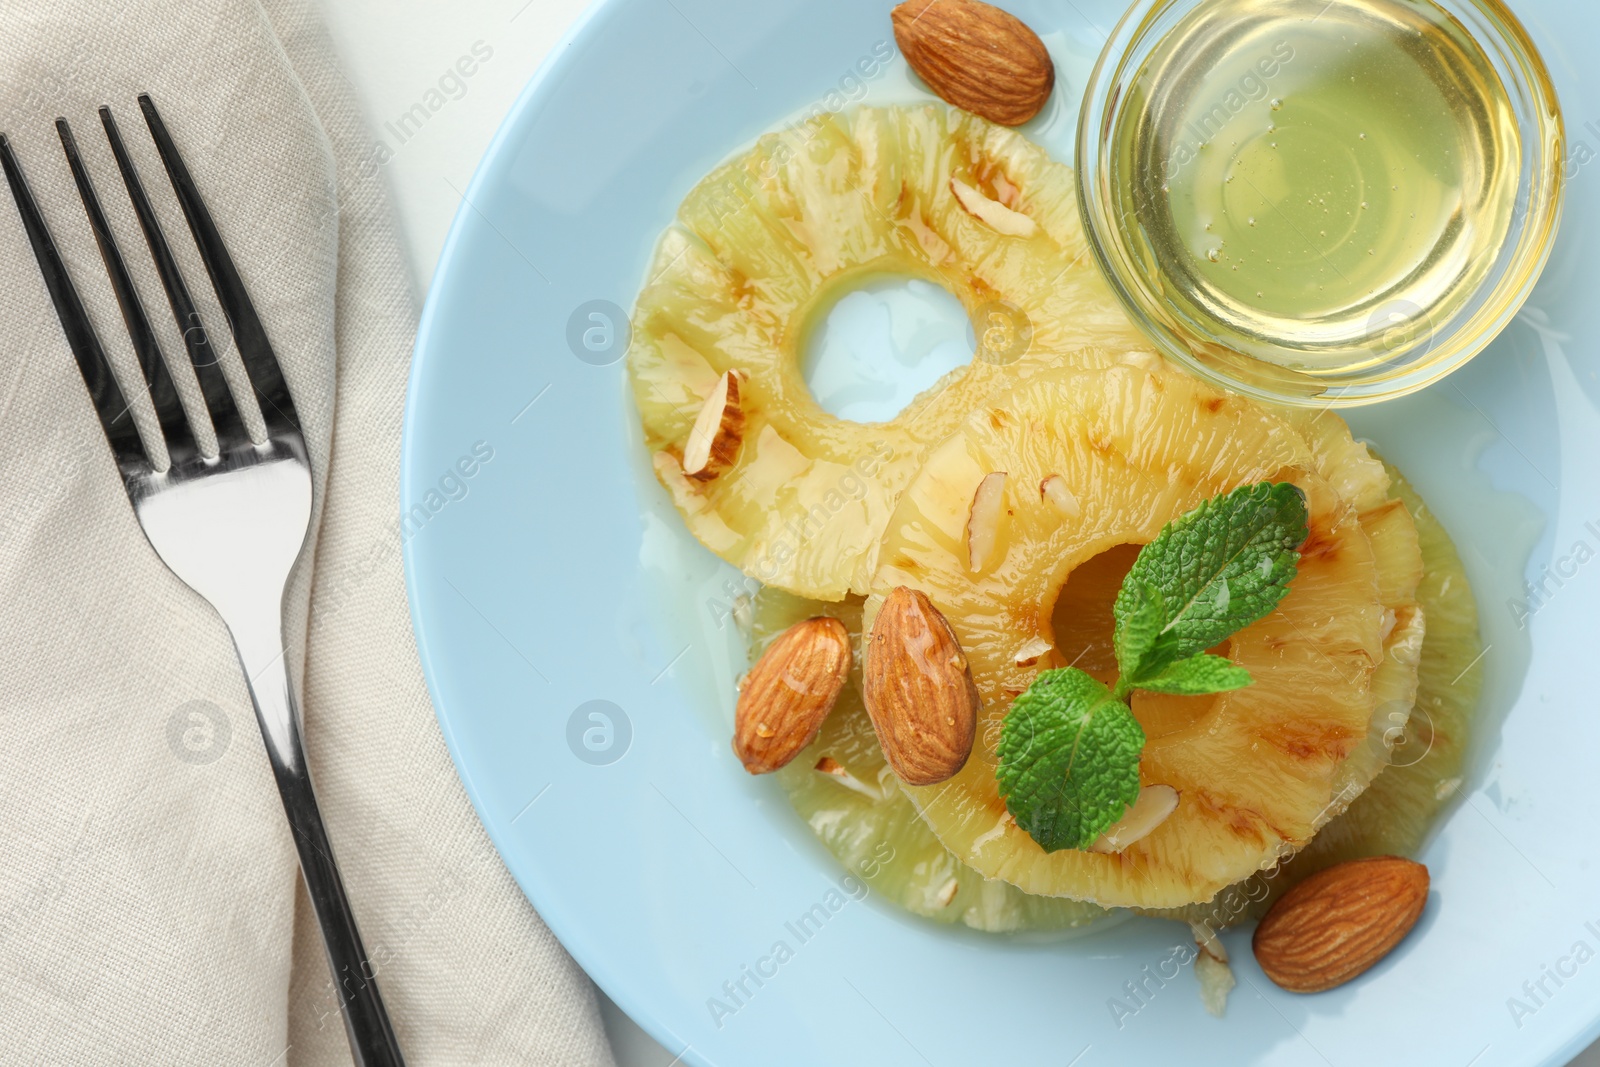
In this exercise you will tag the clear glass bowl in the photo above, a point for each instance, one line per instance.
(1397, 355)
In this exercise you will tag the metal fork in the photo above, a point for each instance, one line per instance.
(230, 525)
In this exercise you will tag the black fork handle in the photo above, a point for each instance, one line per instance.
(366, 1022)
(257, 636)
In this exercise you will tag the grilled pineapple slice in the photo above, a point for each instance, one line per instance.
(761, 249)
(1258, 770)
(879, 835)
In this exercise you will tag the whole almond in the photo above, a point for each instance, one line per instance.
(1339, 922)
(977, 57)
(789, 692)
(918, 690)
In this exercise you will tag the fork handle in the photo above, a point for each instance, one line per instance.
(366, 1022)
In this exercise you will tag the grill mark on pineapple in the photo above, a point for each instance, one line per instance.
(1320, 544)
(933, 246)
(1381, 511)
(1241, 821)
(1309, 743)
(1215, 404)
(907, 564)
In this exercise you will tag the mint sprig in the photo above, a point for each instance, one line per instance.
(1069, 749)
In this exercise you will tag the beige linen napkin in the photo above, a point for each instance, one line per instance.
(150, 908)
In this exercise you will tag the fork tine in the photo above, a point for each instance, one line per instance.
(163, 393)
(248, 334)
(213, 385)
(115, 417)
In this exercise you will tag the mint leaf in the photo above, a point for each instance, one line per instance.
(1136, 630)
(1197, 676)
(1216, 570)
(1069, 759)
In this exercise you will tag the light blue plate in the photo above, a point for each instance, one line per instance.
(568, 624)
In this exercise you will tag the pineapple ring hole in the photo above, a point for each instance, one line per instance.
(877, 345)
(1081, 624)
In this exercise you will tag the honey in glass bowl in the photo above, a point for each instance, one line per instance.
(1304, 194)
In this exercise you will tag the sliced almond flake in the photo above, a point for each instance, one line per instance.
(1155, 803)
(983, 521)
(1211, 969)
(835, 770)
(713, 442)
(992, 213)
(1207, 941)
(1216, 982)
(1032, 650)
(1053, 491)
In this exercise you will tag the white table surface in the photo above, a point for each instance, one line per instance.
(393, 52)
